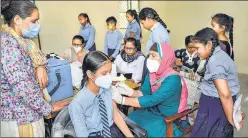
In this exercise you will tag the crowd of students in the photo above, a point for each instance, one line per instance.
(93, 110)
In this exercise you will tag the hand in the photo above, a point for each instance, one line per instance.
(110, 58)
(124, 89)
(179, 62)
(116, 96)
(131, 80)
(41, 76)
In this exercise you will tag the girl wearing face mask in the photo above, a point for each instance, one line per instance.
(130, 61)
(87, 31)
(22, 106)
(76, 52)
(159, 95)
(92, 111)
(151, 21)
(133, 28)
(219, 87)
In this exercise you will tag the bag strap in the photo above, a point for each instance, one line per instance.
(58, 76)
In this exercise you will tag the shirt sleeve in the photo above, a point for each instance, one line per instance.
(105, 45)
(22, 79)
(133, 29)
(91, 39)
(137, 75)
(78, 119)
(217, 70)
(118, 47)
(165, 91)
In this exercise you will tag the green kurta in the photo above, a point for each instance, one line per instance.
(166, 98)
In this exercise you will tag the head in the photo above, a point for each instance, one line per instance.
(189, 44)
(148, 17)
(96, 69)
(83, 19)
(78, 43)
(22, 16)
(131, 46)
(223, 23)
(205, 42)
(111, 23)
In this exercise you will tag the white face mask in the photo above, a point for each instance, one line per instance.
(77, 49)
(104, 81)
(152, 65)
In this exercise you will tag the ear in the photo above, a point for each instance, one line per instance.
(90, 75)
(209, 45)
(223, 28)
(18, 20)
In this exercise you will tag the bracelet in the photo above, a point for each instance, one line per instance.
(123, 100)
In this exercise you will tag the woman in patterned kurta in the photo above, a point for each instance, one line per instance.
(22, 102)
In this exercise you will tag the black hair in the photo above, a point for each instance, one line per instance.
(134, 42)
(227, 21)
(188, 39)
(154, 47)
(152, 14)
(203, 36)
(79, 37)
(136, 17)
(111, 19)
(92, 61)
(85, 15)
(9, 9)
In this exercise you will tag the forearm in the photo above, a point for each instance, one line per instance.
(136, 94)
(227, 103)
(134, 102)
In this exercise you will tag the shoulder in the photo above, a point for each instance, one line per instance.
(141, 58)
(8, 43)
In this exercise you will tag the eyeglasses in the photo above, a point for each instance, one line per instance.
(77, 45)
(192, 47)
(129, 48)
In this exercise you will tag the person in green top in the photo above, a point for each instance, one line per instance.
(162, 93)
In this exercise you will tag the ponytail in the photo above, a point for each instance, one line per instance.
(231, 30)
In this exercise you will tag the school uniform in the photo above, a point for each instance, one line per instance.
(112, 43)
(227, 47)
(211, 120)
(134, 27)
(85, 114)
(132, 66)
(88, 33)
(158, 34)
(190, 61)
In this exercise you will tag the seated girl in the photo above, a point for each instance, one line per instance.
(187, 57)
(162, 93)
(130, 61)
(92, 111)
(76, 52)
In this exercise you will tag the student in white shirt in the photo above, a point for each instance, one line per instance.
(130, 61)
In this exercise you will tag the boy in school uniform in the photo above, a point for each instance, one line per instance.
(113, 39)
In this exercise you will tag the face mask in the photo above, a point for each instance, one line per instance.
(152, 65)
(77, 49)
(33, 31)
(110, 27)
(104, 81)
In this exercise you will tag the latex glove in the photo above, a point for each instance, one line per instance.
(124, 89)
(116, 96)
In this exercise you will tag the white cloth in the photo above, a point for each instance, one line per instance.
(135, 67)
(10, 128)
(76, 74)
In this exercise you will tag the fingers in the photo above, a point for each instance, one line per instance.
(243, 116)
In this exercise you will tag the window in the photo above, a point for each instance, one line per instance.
(124, 6)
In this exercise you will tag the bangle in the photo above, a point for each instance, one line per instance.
(123, 100)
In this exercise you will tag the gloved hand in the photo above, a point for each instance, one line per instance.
(116, 96)
(124, 89)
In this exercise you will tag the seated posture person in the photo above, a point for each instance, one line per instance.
(113, 39)
(160, 94)
(76, 52)
(130, 62)
(92, 111)
(188, 57)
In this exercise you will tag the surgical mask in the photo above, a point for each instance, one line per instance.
(33, 31)
(152, 65)
(110, 27)
(77, 49)
(104, 81)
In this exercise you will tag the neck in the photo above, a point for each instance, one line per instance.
(114, 28)
(16, 29)
(92, 87)
(153, 22)
(222, 36)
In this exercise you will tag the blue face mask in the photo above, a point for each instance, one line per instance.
(33, 31)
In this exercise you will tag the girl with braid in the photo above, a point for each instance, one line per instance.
(151, 21)
(222, 24)
(219, 87)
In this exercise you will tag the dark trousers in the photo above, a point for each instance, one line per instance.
(93, 48)
(110, 53)
(114, 130)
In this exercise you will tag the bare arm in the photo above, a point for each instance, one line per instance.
(226, 98)
(119, 121)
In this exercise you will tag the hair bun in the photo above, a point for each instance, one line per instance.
(5, 5)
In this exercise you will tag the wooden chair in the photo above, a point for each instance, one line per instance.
(171, 119)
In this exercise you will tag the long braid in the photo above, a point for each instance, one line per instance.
(231, 31)
(157, 18)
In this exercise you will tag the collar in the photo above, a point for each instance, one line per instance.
(110, 31)
(90, 95)
(134, 20)
(217, 49)
(154, 26)
(86, 26)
